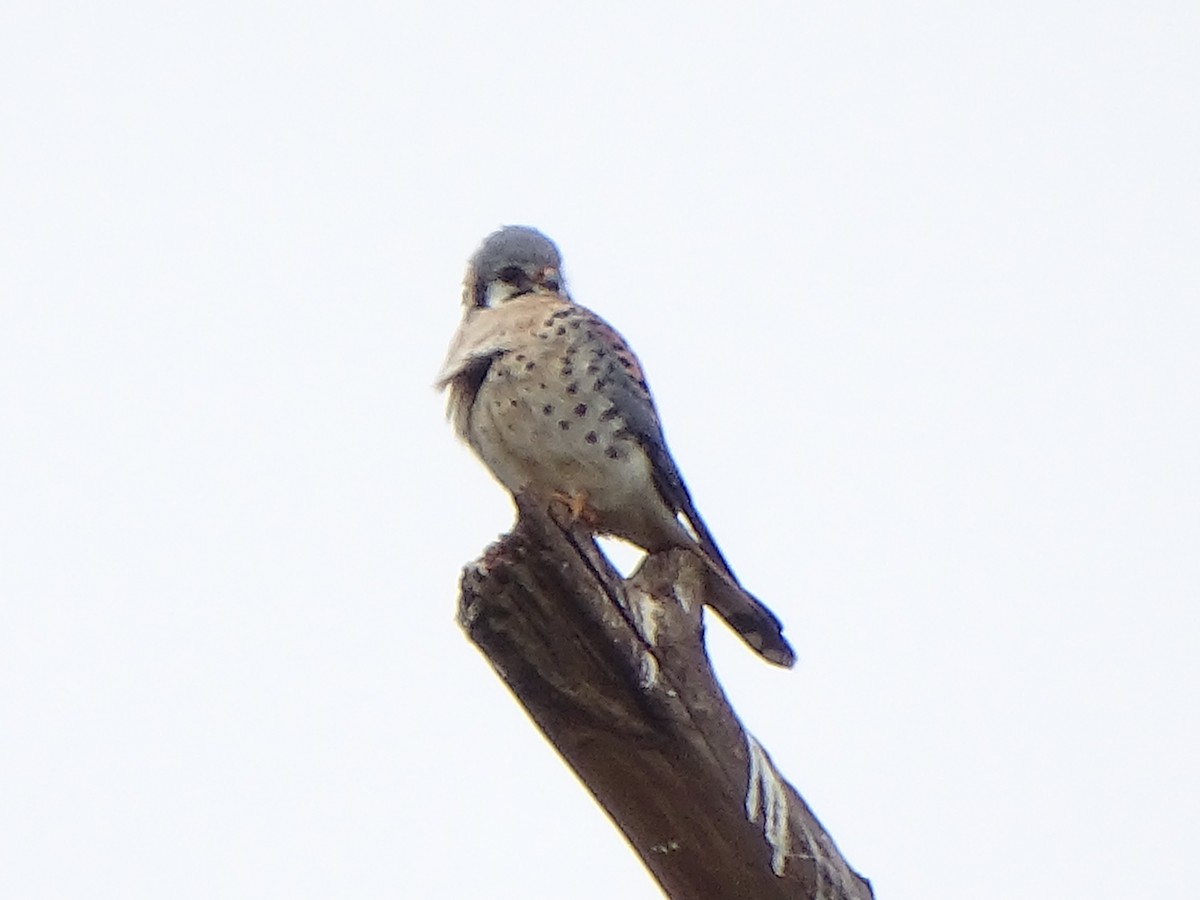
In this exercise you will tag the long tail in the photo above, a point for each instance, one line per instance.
(756, 624)
(745, 614)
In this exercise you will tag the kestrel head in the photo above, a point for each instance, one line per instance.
(512, 262)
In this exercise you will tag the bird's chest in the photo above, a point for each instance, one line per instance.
(543, 418)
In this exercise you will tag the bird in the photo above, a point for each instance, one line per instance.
(553, 401)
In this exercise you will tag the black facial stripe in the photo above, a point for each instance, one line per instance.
(513, 275)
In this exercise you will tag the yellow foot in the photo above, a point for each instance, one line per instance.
(576, 503)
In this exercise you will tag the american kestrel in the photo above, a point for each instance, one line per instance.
(554, 402)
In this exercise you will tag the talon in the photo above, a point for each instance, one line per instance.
(576, 503)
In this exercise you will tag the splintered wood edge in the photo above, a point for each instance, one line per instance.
(616, 676)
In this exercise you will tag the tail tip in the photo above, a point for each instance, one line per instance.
(774, 648)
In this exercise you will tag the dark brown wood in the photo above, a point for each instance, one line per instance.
(616, 676)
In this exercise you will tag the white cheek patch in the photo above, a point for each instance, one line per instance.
(498, 292)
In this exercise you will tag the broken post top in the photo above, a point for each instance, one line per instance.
(616, 676)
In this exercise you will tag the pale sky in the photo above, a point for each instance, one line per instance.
(917, 287)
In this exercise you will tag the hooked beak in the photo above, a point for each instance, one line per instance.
(549, 278)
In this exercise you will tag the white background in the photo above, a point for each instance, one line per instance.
(916, 286)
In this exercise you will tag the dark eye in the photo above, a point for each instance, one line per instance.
(512, 274)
